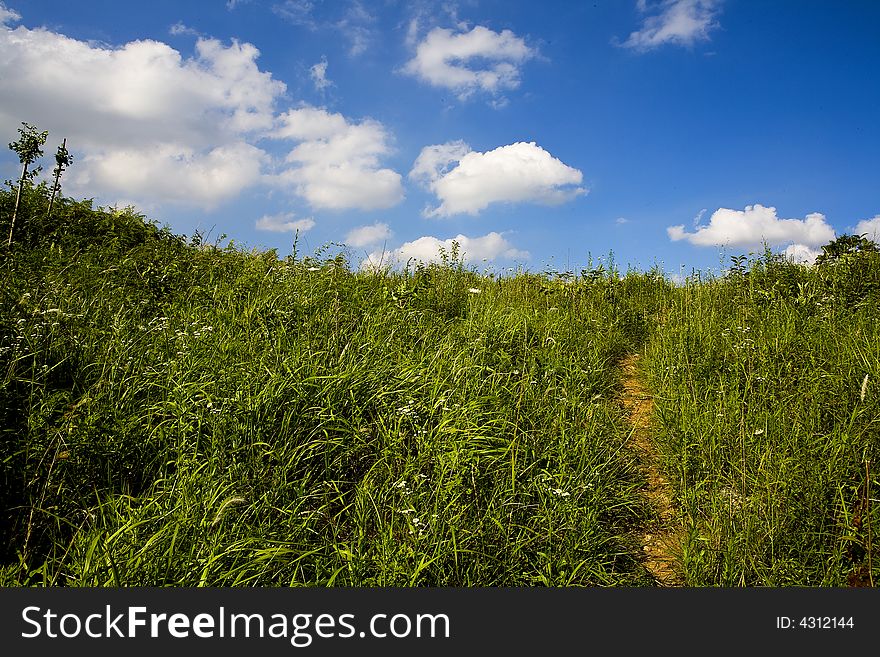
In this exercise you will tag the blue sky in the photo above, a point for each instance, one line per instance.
(670, 132)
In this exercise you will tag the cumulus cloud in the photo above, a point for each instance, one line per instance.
(336, 165)
(284, 223)
(428, 249)
(870, 228)
(520, 172)
(367, 235)
(802, 254)
(318, 73)
(150, 125)
(8, 15)
(146, 122)
(171, 172)
(680, 22)
(755, 225)
(466, 62)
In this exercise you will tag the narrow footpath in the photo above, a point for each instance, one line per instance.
(662, 536)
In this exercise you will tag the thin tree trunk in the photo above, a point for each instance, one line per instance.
(55, 186)
(17, 200)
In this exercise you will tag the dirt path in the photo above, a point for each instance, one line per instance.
(662, 537)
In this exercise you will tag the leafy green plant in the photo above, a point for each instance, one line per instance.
(63, 159)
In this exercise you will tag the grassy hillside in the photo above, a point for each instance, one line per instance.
(172, 413)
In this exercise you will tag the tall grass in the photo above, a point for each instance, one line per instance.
(176, 413)
(194, 416)
(765, 426)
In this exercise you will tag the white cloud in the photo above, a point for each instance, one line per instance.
(172, 172)
(284, 223)
(318, 73)
(354, 25)
(520, 172)
(755, 225)
(144, 122)
(148, 124)
(8, 15)
(869, 227)
(433, 162)
(427, 249)
(366, 235)
(802, 254)
(465, 62)
(336, 164)
(681, 22)
(621, 220)
(179, 28)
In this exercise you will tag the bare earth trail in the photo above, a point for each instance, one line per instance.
(662, 537)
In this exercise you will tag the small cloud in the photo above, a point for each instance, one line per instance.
(469, 61)
(621, 220)
(517, 173)
(336, 164)
(755, 225)
(284, 223)
(429, 249)
(232, 4)
(354, 25)
(8, 15)
(367, 235)
(412, 33)
(318, 73)
(179, 29)
(869, 228)
(801, 254)
(680, 22)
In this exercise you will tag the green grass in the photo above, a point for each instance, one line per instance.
(174, 413)
(764, 427)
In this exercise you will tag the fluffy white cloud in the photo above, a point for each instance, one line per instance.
(802, 254)
(336, 164)
(755, 225)
(172, 172)
(150, 125)
(869, 227)
(466, 62)
(520, 172)
(681, 22)
(284, 223)
(8, 15)
(427, 249)
(318, 73)
(366, 235)
(143, 121)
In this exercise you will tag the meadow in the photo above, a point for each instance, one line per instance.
(174, 412)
